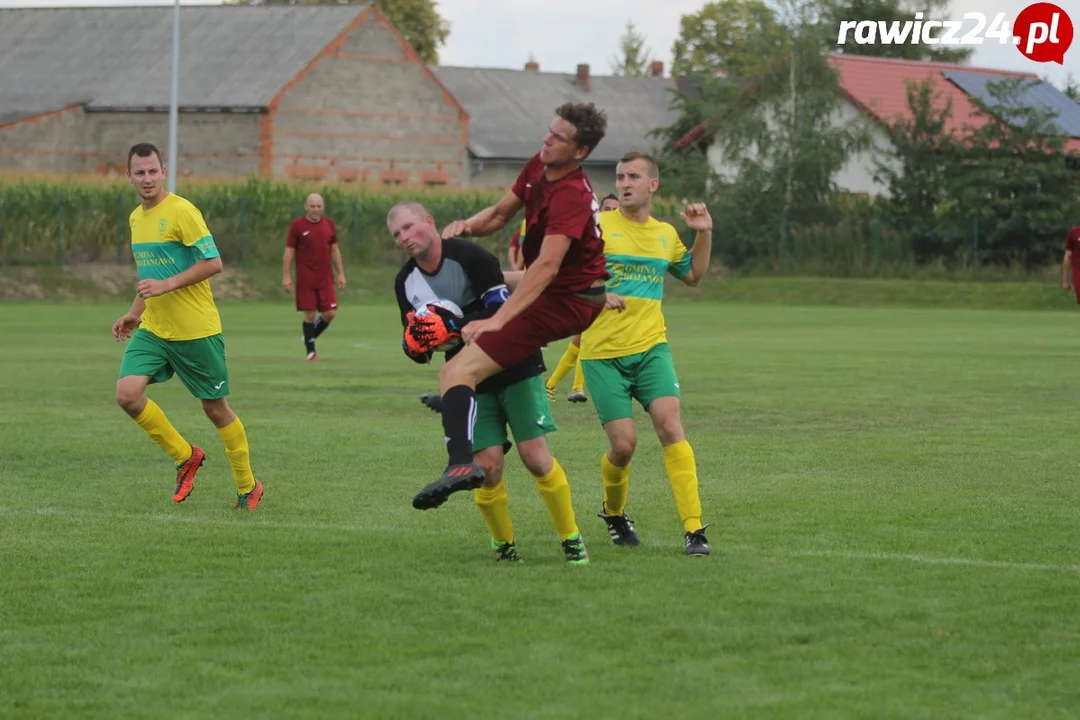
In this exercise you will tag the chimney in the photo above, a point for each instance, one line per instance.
(656, 68)
(583, 77)
(532, 66)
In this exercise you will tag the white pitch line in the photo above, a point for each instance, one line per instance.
(929, 560)
(466, 533)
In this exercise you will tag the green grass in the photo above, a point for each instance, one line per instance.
(892, 495)
(369, 283)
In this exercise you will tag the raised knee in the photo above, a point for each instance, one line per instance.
(329, 315)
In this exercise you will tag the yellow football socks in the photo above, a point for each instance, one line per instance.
(682, 474)
(152, 419)
(616, 485)
(494, 506)
(236, 449)
(566, 363)
(555, 492)
(579, 378)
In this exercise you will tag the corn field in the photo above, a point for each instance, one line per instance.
(67, 222)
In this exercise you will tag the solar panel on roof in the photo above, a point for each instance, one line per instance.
(1033, 93)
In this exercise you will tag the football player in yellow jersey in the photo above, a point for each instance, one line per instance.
(180, 329)
(570, 358)
(625, 352)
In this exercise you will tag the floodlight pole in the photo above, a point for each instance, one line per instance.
(174, 109)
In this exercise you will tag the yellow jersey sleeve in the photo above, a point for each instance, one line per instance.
(680, 263)
(193, 232)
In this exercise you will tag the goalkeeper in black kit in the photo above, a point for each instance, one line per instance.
(469, 276)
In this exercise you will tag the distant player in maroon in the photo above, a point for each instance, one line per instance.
(313, 242)
(560, 294)
(1070, 266)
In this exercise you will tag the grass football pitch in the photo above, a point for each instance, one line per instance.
(892, 496)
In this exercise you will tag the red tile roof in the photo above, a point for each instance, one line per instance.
(877, 86)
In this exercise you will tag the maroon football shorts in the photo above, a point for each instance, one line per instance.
(316, 295)
(548, 319)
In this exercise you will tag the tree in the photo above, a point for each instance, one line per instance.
(417, 20)
(888, 11)
(783, 144)
(1002, 189)
(734, 38)
(1018, 185)
(686, 171)
(1071, 88)
(774, 134)
(919, 171)
(635, 57)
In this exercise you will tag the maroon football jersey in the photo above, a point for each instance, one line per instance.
(566, 206)
(312, 242)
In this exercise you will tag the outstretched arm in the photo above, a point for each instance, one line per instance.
(487, 221)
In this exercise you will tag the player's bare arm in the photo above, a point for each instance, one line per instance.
(339, 265)
(1066, 275)
(697, 218)
(513, 278)
(202, 270)
(487, 221)
(129, 321)
(286, 269)
(533, 282)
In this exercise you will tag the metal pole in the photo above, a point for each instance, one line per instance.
(174, 109)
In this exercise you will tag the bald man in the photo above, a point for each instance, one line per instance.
(313, 242)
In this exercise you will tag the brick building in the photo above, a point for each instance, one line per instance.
(328, 92)
(323, 92)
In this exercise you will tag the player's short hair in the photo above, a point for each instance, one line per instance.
(144, 150)
(609, 196)
(412, 206)
(650, 161)
(589, 121)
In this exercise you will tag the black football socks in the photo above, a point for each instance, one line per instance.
(458, 416)
(320, 326)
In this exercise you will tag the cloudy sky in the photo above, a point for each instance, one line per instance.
(562, 33)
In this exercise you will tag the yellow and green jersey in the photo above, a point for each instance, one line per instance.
(639, 255)
(167, 240)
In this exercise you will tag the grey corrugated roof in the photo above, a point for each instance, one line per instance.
(122, 57)
(1033, 94)
(509, 110)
